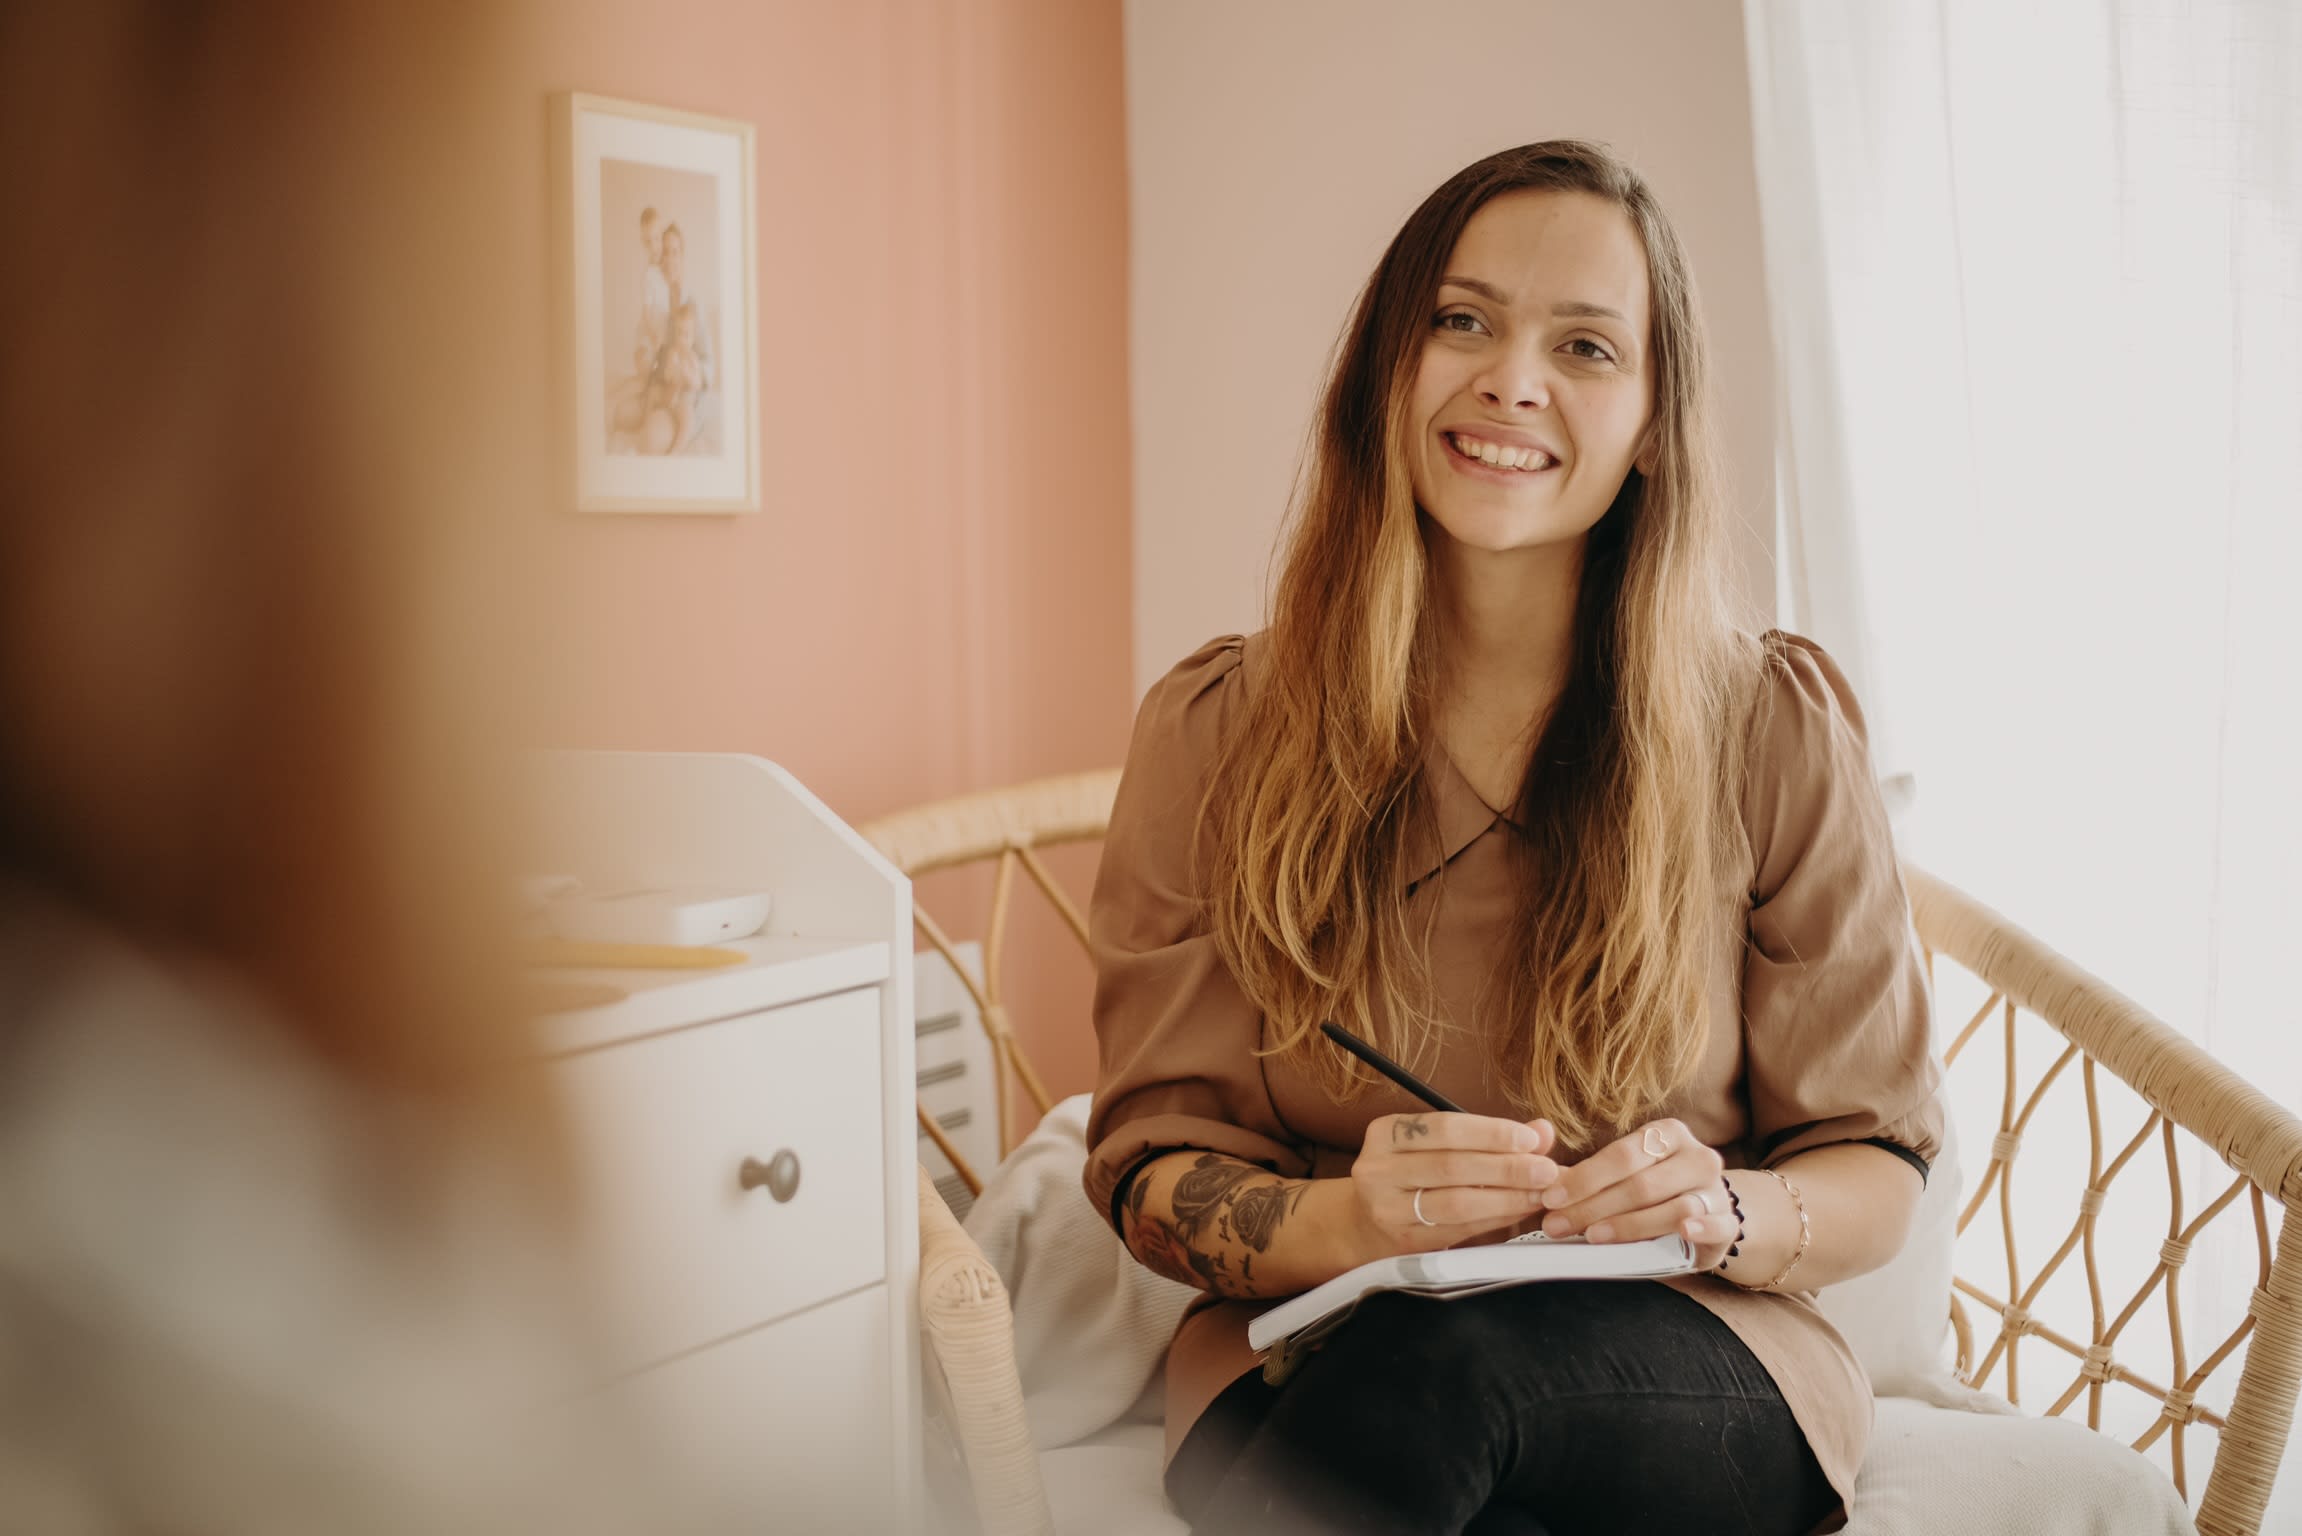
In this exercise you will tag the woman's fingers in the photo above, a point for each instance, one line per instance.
(1439, 1151)
(1463, 1207)
(1476, 1191)
(1526, 1172)
(1682, 1213)
(1632, 1173)
(1430, 1130)
(1641, 1191)
(1474, 1174)
(1621, 1159)
(1478, 1173)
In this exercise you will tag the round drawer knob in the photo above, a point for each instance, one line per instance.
(780, 1175)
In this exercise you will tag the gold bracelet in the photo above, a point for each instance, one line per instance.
(1805, 1231)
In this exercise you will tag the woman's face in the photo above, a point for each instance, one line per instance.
(1537, 339)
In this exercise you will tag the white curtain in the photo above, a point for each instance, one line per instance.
(2036, 271)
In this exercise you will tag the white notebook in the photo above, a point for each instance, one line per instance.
(1459, 1271)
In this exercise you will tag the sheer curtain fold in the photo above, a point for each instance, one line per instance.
(1859, 225)
(2036, 273)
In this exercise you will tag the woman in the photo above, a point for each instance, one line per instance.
(1504, 790)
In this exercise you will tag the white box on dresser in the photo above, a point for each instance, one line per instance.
(746, 1141)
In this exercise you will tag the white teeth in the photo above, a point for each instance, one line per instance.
(1501, 457)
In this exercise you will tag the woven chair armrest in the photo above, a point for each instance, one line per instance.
(2249, 1130)
(967, 1329)
(1068, 808)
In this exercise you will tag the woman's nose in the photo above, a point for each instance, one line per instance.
(1516, 384)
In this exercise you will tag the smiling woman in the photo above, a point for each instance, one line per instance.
(1508, 791)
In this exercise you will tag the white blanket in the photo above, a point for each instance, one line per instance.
(1091, 1324)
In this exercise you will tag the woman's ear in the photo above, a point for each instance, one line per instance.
(1650, 450)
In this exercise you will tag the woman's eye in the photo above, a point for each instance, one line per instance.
(1472, 325)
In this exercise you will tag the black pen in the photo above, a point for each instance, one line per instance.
(1390, 1068)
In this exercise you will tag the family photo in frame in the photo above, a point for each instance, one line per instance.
(661, 260)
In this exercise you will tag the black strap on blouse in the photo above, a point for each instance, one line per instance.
(1901, 1151)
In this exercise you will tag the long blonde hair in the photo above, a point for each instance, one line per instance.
(1631, 799)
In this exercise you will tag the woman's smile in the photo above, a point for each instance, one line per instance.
(1516, 465)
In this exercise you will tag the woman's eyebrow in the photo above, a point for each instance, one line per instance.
(1574, 307)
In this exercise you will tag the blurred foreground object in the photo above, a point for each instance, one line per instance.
(283, 1201)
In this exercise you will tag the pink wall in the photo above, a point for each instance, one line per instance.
(936, 595)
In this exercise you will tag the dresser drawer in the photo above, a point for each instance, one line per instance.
(788, 1428)
(666, 1125)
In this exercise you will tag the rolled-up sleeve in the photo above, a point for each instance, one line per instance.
(1837, 1016)
(1175, 1036)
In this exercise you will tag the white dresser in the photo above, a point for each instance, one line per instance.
(748, 1141)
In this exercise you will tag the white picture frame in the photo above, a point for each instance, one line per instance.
(660, 268)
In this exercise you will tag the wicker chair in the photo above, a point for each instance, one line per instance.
(2178, 1089)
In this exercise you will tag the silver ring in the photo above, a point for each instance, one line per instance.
(1704, 1195)
(1419, 1216)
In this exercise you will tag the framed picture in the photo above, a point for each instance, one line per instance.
(661, 276)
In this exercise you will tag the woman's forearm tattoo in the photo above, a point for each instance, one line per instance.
(1223, 1209)
(1204, 1188)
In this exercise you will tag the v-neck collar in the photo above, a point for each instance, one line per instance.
(1458, 816)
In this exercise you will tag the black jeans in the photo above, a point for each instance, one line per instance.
(1541, 1410)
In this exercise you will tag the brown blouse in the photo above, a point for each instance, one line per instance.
(1820, 1027)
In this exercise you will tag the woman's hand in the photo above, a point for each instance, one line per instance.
(1657, 1179)
(1474, 1174)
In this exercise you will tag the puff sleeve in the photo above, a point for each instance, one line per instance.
(1175, 1036)
(1837, 1018)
